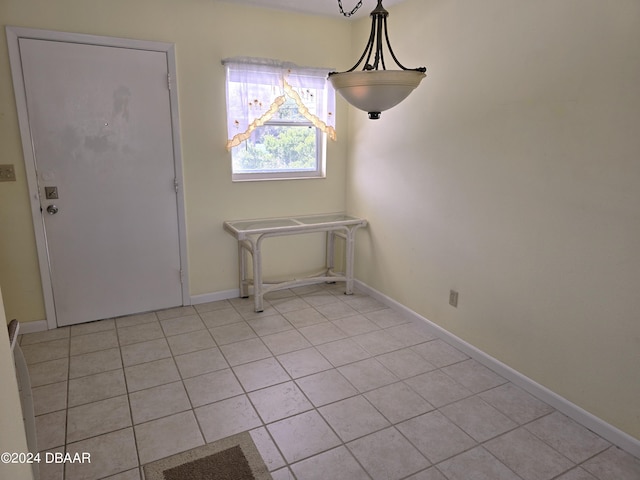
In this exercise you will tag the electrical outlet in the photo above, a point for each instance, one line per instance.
(453, 298)
(7, 173)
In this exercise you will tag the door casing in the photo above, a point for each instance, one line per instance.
(13, 36)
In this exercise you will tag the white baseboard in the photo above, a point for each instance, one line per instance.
(588, 420)
(33, 327)
(215, 296)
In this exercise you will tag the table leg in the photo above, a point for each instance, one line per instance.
(257, 275)
(242, 270)
(349, 240)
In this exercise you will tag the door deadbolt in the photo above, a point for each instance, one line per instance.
(51, 193)
(52, 209)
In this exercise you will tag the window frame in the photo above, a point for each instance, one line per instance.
(283, 174)
(324, 104)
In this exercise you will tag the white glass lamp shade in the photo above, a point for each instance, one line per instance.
(375, 91)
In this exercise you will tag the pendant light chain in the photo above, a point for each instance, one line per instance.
(348, 14)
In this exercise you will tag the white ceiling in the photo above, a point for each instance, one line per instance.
(319, 7)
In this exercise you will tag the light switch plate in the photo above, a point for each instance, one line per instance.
(7, 173)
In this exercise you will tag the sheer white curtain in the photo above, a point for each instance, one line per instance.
(257, 87)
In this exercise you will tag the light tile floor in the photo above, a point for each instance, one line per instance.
(330, 386)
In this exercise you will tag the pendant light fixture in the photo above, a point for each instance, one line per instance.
(375, 89)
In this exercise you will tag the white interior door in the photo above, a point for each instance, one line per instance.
(101, 128)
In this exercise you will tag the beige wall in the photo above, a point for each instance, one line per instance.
(12, 432)
(204, 31)
(513, 176)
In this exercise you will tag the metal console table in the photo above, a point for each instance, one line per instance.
(251, 233)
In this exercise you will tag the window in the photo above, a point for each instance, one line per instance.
(278, 119)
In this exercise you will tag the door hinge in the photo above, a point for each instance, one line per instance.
(176, 184)
(181, 276)
(169, 81)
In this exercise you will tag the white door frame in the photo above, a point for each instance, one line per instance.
(13, 36)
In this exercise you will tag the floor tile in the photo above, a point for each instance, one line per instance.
(438, 388)
(478, 419)
(319, 298)
(378, 342)
(270, 325)
(231, 333)
(386, 317)
(96, 387)
(212, 387)
(111, 453)
(93, 342)
(145, 352)
(44, 336)
(157, 402)
(190, 342)
(577, 474)
(227, 417)
(137, 319)
(528, 456)
(343, 352)
(267, 448)
(152, 374)
(387, 455)
(405, 363)
(317, 437)
(474, 376)
(200, 362)
(95, 362)
(326, 387)
(289, 304)
(52, 471)
(515, 403)
(247, 311)
(279, 401)
(353, 418)
(355, 325)
(335, 311)
(397, 402)
(483, 465)
(218, 318)
(46, 351)
(305, 317)
(282, 474)
(128, 475)
(410, 334)
(260, 374)
(324, 332)
(245, 351)
(51, 430)
(167, 436)
(285, 342)
(53, 371)
(429, 474)
(363, 303)
(568, 437)
(175, 312)
(439, 353)
(212, 306)
(436, 436)
(92, 327)
(614, 463)
(304, 362)
(140, 333)
(49, 398)
(367, 374)
(179, 325)
(336, 464)
(92, 419)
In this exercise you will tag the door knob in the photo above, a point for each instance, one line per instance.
(52, 209)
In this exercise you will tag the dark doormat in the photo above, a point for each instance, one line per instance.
(232, 458)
